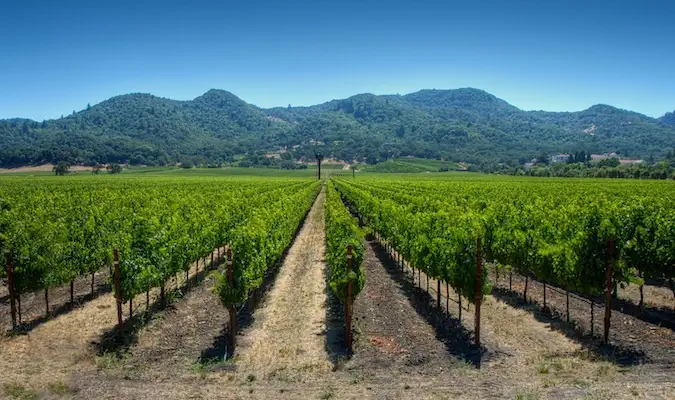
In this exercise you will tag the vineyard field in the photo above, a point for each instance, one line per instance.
(424, 285)
(53, 231)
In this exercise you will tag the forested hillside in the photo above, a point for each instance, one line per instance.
(467, 125)
(668, 119)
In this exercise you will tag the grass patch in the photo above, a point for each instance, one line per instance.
(605, 370)
(580, 383)
(59, 388)
(548, 367)
(108, 361)
(328, 394)
(204, 367)
(526, 396)
(16, 391)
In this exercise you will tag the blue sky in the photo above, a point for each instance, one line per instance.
(57, 56)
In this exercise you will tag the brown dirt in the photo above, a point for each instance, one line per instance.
(393, 337)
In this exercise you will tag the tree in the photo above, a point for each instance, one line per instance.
(61, 169)
(287, 164)
(609, 162)
(353, 168)
(114, 168)
(96, 169)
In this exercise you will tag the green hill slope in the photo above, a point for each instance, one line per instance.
(460, 125)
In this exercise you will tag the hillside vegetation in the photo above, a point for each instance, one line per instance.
(407, 165)
(461, 125)
(668, 119)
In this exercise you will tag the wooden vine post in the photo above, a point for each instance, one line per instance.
(592, 317)
(10, 287)
(544, 308)
(348, 303)
(567, 305)
(609, 289)
(118, 290)
(438, 294)
(232, 334)
(479, 276)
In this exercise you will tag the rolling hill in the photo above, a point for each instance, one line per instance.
(668, 119)
(468, 125)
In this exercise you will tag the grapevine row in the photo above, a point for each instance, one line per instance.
(583, 237)
(54, 231)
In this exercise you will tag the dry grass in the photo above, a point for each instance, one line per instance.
(286, 339)
(654, 296)
(53, 351)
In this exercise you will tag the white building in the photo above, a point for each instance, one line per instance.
(560, 158)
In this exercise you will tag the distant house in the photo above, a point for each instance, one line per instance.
(528, 165)
(560, 158)
(600, 157)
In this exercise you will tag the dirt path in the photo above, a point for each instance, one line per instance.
(286, 339)
(394, 334)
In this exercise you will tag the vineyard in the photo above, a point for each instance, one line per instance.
(285, 280)
(52, 232)
(585, 238)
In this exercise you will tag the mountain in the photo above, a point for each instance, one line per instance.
(668, 119)
(467, 124)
